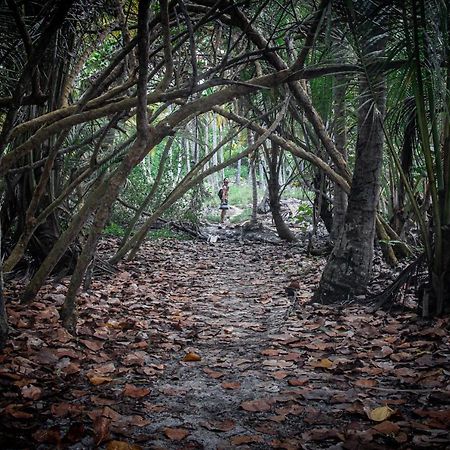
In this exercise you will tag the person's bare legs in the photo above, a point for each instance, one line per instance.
(223, 213)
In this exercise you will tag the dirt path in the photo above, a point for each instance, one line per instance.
(269, 377)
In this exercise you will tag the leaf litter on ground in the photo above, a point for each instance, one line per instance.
(198, 345)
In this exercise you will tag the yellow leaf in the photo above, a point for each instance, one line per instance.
(191, 356)
(96, 380)
(323, 363)
(380, 414)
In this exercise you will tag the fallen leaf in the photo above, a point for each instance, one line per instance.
(216, 425)
(213, 373)
(176, 434)
(95, 346)
(135, 392)
(387, 427)
(97, 379)
(191, 356)
(380, 414)
(230, 384)
(245, 439)
(49, 436)
(14, 411)
(120, 445)
(65, 409)
(102, 426)
(31, 392)
(298, 381)
(363, 382)
(256, 405)
(323, 363)
(75, 433)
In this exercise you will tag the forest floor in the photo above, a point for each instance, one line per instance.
(197, 346)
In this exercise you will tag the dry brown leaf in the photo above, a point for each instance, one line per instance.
(298, 381)
(14, 411)
(213, 373)
(364, 382)
(49, 436)
(176, 434)
(65, 409)
(257, 405)
(102, 426)
(192, 357)
(120, 445)
(387, 427)
(216, 425)
(133, 391)
(95, 346)
(245, 439)
(231, 384)
(280, 374)
(136, 421)
(31, 392)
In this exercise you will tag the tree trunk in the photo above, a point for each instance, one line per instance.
(349, 267)
(252, 163)
(238, 172)
(273, 186)
(3, 316)
(340, 137)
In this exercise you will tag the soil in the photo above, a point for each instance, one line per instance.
(201, 346)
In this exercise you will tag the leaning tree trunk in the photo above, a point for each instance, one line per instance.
(349, 267)
(273, 186)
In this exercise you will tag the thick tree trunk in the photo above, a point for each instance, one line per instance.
(349, 267)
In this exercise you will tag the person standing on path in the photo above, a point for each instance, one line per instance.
(223, 194)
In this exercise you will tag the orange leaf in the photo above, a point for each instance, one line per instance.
(191, 356)
(176, 434)
(96, 380)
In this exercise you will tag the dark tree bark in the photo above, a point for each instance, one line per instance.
(349, 267)
(340, 137)
(274, 157)
(3, 316)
